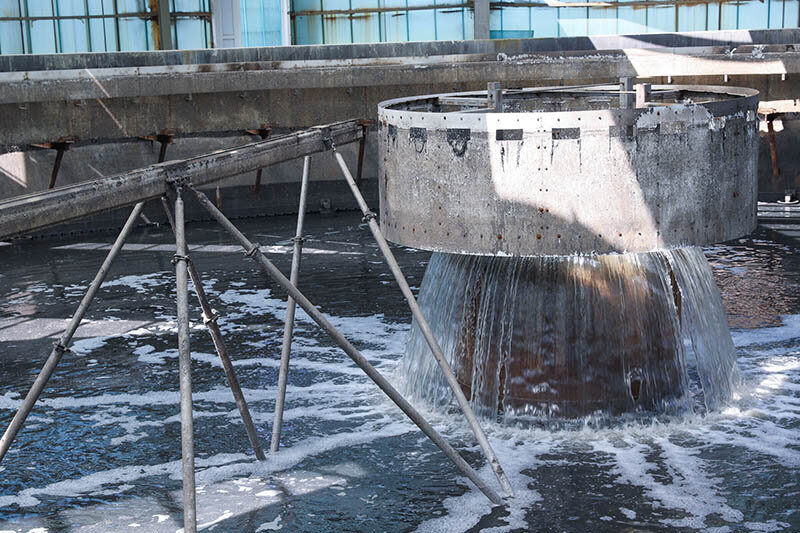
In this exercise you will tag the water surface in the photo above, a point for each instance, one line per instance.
(101, 451)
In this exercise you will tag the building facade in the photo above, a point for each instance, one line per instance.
(79, 26)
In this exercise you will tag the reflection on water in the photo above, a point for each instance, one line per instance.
(101, 451)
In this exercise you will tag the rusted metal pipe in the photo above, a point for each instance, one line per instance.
(63, 342)
(23, 214)
(422, 322)
(368, 10)
(165, 140)
(61, 148)
(257, 184)
(283, 374)
(252, 250)
(145, 15)
(162, 25)
(773, 150)
(499, 6)
(361, 146)
(210, 320)
(185, 369)
(264, 132)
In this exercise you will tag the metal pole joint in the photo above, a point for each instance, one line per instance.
(210, 319)
(327, 138)
(369, 215)
(264, 131)
(60, 348)
(299, 239)
(179, 182)
(178, 257)
(256, 249)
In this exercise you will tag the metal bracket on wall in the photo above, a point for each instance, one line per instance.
(61, 146)
(264, 132)
(365, 124)
(769, 115)
(164, 137)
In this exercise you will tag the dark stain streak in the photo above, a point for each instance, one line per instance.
(458, 139)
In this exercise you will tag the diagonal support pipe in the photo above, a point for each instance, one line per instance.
(61, 346)
(288, 329)
(184, 369)
(438, 354)
(22, 214)
(253, 251)
(210, 320)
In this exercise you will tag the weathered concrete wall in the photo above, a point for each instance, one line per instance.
(92, 97)
(30, 171)
(126, 95)
(724, 38)
(114, 103)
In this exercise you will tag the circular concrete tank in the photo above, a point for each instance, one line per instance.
(568, 171)
(566, 282)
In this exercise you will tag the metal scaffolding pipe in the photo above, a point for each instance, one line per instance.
(185, 370)
(61, 346)
(438, 354)
(252, 250)
(210, 320)
(283, 374)
(27, 213)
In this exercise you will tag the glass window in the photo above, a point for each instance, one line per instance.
(70, 26)
(261, 21)
(602, 20)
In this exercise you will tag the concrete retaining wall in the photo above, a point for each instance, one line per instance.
(107, 98)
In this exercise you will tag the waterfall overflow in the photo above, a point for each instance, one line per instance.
(555, 336)
(567, 280)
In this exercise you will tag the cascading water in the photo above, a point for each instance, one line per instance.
(566, 280)
(564, 336)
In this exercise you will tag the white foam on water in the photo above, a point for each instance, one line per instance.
(224, 516)
(298, 483)
(147, 354)
(347, 367)
(273, 525)
(789, 330)
(140, 282)
(319, 391)
(465, 511)
(666, 460)
(93, 484)
(88, 345)
(243, 302)
(771, 525)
